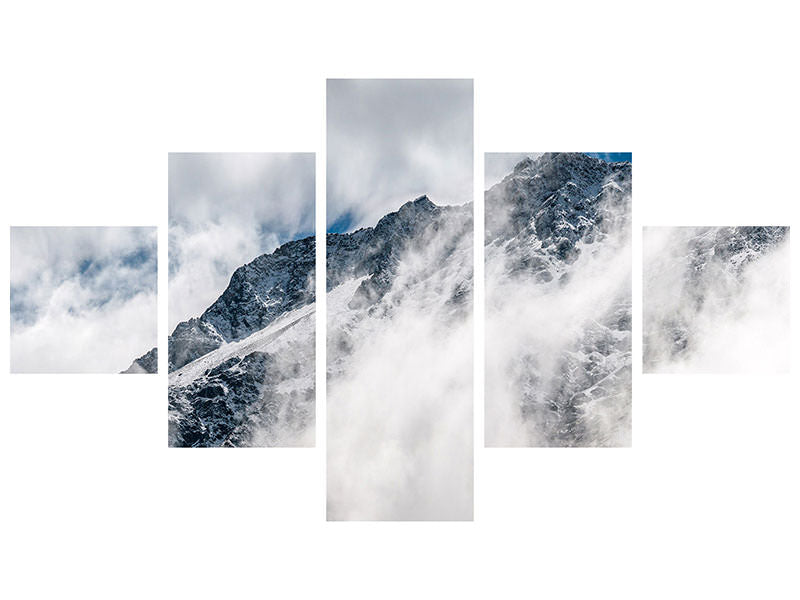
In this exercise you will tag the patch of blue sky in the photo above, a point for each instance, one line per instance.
(612, 156)
(343, 223)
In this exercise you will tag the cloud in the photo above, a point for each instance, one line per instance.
(499, 164)
(83, 299)
(392, 140)
(226, 209)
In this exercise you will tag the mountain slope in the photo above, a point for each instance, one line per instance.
(258, 391)
(559, 303)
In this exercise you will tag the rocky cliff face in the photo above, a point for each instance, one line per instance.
(558, 269)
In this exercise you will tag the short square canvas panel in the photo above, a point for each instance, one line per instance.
(399, 300)
(558, 299)
(241, 300)
(83, 300)
(716, 299)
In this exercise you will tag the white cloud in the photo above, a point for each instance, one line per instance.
(392, 140)
(227, 209)
(83, 298)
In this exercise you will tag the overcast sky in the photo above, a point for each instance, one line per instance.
(392, 140)
(83, 299)
(227, 209)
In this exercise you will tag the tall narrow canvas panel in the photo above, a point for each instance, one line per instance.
(241, 300)
(399, 299)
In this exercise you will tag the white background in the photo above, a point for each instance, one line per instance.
(95, 505)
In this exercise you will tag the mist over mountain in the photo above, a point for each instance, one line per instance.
(716, 299)
(558, 296)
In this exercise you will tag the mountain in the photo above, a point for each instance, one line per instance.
(147, 363)
(557, 244)
(703, 281)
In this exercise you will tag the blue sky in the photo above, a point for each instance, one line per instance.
(83, 299)
(343, 223)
